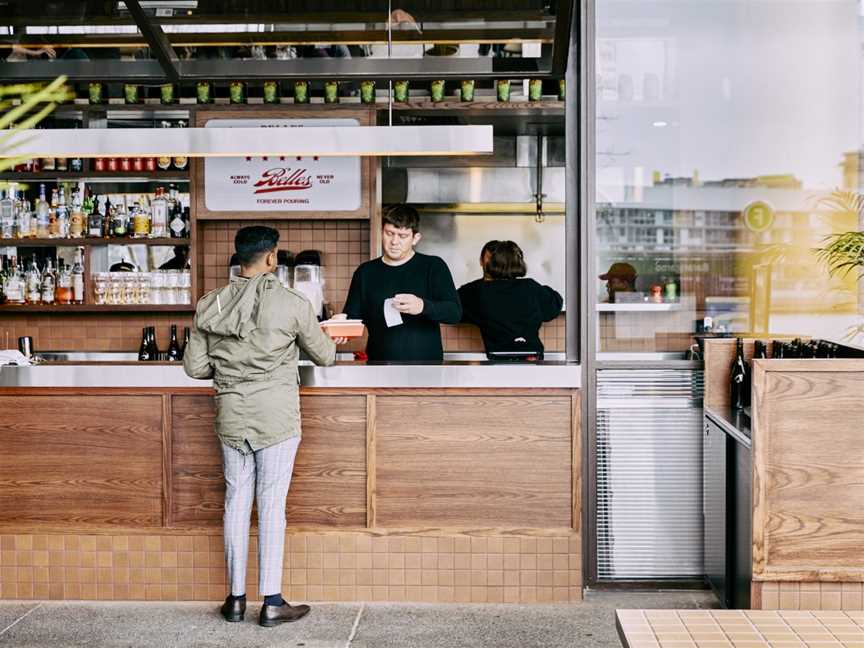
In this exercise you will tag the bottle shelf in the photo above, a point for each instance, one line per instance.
(98, 176)
(97, 308)
(90, 242)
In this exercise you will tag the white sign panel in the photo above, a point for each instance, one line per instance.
(282, 183)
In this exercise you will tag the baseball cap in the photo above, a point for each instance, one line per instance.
(620, 271)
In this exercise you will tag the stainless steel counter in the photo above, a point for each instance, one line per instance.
(452, 373)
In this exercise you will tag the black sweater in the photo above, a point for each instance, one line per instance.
(508, 309)
(418, 338)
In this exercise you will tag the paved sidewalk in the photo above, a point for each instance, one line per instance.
(54, 624)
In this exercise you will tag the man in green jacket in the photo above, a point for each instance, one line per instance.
(246, 337)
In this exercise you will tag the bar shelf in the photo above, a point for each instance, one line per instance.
(97, 308)
(89, 242)
(97, 176)
(638, 307)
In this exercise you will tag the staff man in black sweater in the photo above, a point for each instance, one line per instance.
(403, 296)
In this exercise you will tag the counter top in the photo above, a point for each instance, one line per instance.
(735, 424)
(450, 374)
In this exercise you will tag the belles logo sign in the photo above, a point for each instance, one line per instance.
(283, 184)
(282, 179)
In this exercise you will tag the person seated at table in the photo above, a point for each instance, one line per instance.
(508, 308)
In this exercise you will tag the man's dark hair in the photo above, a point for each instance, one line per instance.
(253, 242)
(506, 261)
(402, 216)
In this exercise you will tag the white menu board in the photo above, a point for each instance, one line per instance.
(286, 183)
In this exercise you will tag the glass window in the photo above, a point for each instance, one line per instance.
(722, 127)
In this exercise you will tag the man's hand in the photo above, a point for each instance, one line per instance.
(409, 304)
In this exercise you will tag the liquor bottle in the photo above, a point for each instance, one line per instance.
(53, 223)
(42, 219)
(14, 288)
(95, 211)
(106, 210)
(78, 277)
(49, 283)
(159, 209)
(186, 335)
(119, 221)
(140, 219)
(23, 218)
(33, 282)
(740, 379)
(178, 224)
(62, 215)
(63, 290)
(7, 215)
(76, 216)
(174, 353)
(144, 349)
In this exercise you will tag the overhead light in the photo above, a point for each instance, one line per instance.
(660, 124)
(324, 141)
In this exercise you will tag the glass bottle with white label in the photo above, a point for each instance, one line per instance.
(78, 277)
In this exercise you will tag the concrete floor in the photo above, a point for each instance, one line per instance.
(55, 624)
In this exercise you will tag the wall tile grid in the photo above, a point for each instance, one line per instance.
(318, 567)
(811, 596)
(345, 245)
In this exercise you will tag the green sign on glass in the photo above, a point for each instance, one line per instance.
(758, 216)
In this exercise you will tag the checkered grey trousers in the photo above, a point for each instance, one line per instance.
(266, 474)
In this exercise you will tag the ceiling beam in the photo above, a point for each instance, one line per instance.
(157, 41)
(351, 37)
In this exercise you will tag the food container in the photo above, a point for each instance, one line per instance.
(346, 328)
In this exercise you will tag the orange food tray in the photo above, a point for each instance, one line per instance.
(343, 328)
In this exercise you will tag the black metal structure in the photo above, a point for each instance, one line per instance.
(526, 15)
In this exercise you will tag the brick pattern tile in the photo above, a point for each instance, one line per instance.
(812, 596)
(345, 566)
(740, 628)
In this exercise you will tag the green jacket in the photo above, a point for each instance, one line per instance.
(247, 336)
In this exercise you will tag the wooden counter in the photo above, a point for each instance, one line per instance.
(808, 477)
(437, 495)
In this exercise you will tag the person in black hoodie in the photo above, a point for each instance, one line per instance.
(508, 309)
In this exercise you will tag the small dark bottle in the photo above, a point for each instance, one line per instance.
(186, 334)
(740, 379)
(760, 350)
(174, 353)
(144, 349)
(153, 347)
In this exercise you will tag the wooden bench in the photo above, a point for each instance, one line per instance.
(740, 628)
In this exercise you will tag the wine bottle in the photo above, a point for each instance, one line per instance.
(154, 346)
(174, 354)
(144, 349)
(740, 379)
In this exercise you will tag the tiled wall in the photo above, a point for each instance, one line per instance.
(811, 596)
(88, 332)
(345, 245)
(343, 566)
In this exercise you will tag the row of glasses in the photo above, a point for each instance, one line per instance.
(133, 288)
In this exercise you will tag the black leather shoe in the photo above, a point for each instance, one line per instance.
(272, 615)
(234, 609)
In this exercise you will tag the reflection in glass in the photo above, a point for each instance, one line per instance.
(715, 143)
